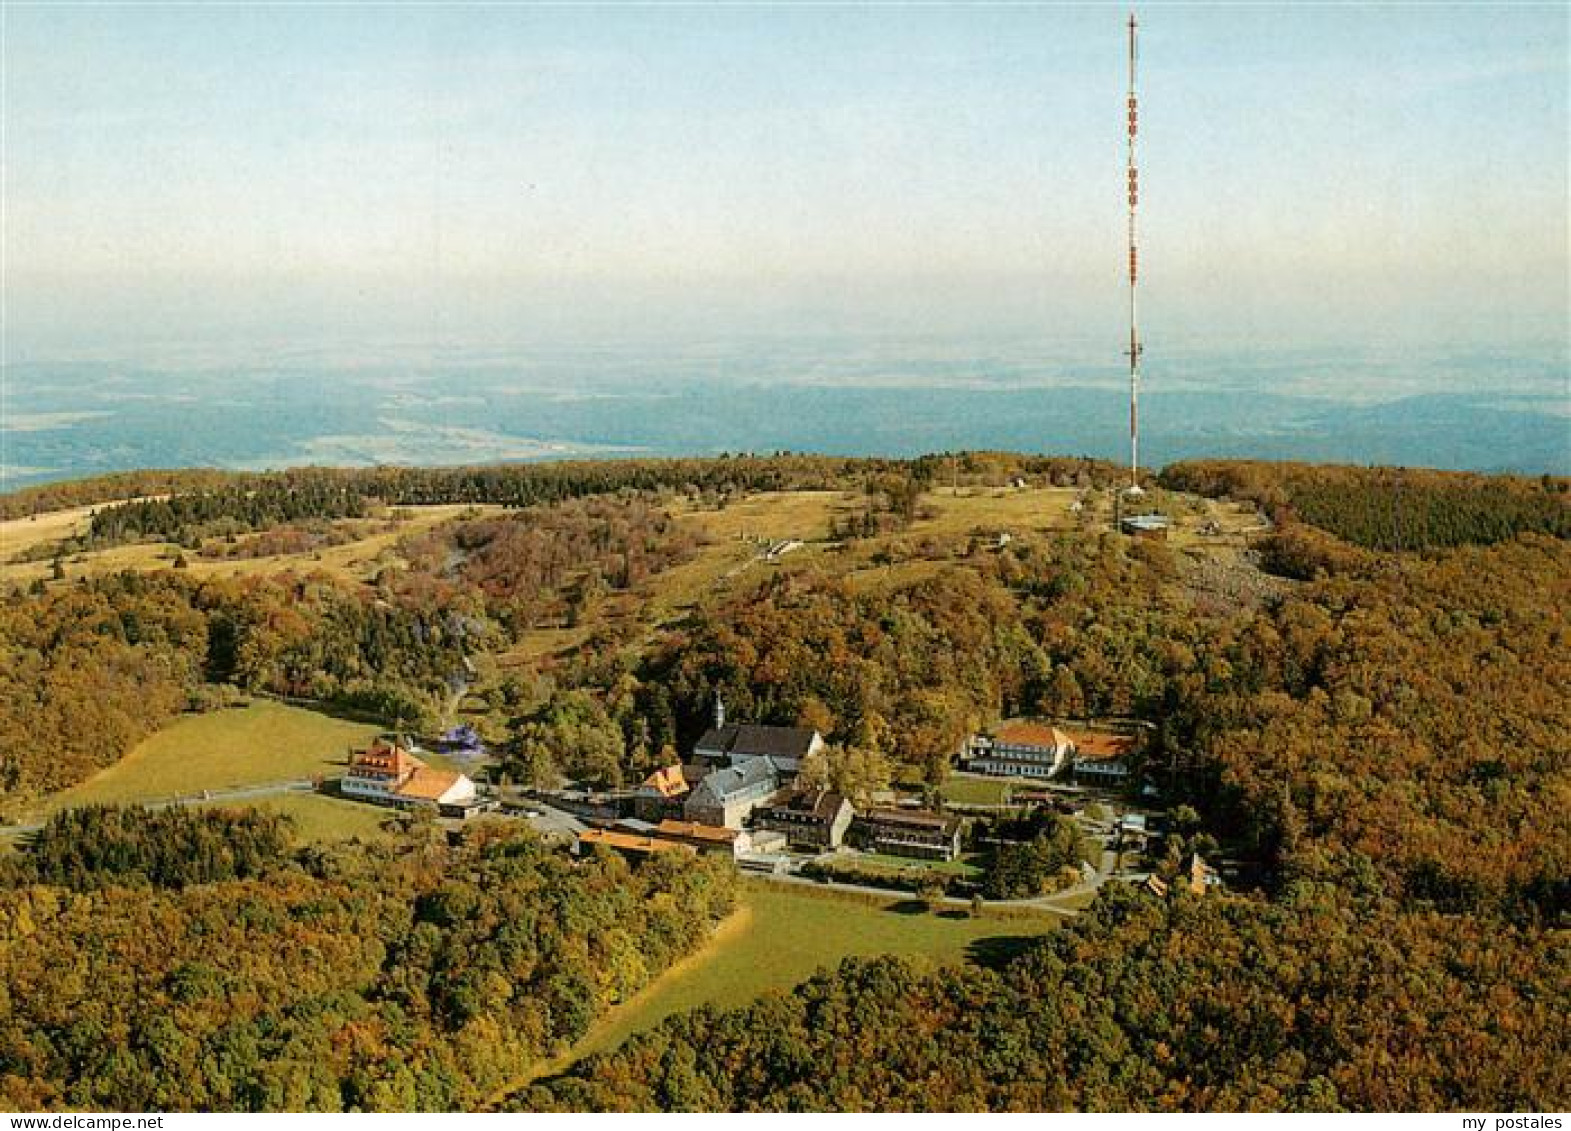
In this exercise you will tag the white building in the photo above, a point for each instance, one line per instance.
(389, 775)
(1020, 749)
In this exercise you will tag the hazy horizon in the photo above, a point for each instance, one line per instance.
(1342, 208)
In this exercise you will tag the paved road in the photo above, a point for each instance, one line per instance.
(1054, 902)
(1042, 903)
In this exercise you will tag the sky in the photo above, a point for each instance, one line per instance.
(252, 175)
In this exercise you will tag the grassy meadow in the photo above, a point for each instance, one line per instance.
(321, 819)
(259, 744)
(357, 560)
(983, 791)
(781, 935)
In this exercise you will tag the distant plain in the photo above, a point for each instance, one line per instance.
(1499, 411)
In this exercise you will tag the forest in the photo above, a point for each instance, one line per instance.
(100, 846)
(1390, 739)
(1383, 735)
(1383, 508)
(92, 667)
(900, 673)
(316, 979)
(1316, 1001)
(549, 563)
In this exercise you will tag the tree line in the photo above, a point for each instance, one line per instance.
(1316, 1001)
(93, 666)
(349, 978)
(1389, 509)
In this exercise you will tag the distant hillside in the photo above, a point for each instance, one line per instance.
(203, 495)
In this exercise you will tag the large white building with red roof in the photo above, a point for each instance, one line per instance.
(389, 775)
(1020, 749)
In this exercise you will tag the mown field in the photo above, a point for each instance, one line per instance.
(781, 935)
(983, 791)
(260, 744)
(320, 819)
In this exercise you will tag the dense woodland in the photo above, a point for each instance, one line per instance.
(1405, 730)
(91, 667)
(320, 979)
(1316, 1001)
(100, 846)
(1383, 508)
(1031, 855)
(1393, 741)
(902, 670)
(114, 487)
(1387, 738)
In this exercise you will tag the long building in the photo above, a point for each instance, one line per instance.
(1020, 749)
(908, 832)
(735, 743)
(629, 844)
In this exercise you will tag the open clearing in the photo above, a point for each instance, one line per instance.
(1015, 509)
(783, 936)
(19, 534)
(358, 560)
(982, 791)
(258, 744)
(737, 536)
(322, 819)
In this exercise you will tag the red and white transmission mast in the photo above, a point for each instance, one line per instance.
(1134, 274)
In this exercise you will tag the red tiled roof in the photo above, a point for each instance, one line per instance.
(692, 830)
(426, 784)
(631, 843)
(1031, 734)
(1098, 747)
(383, 759)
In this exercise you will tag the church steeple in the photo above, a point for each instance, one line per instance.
(719, 711)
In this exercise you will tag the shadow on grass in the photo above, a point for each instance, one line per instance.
(997, 951)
